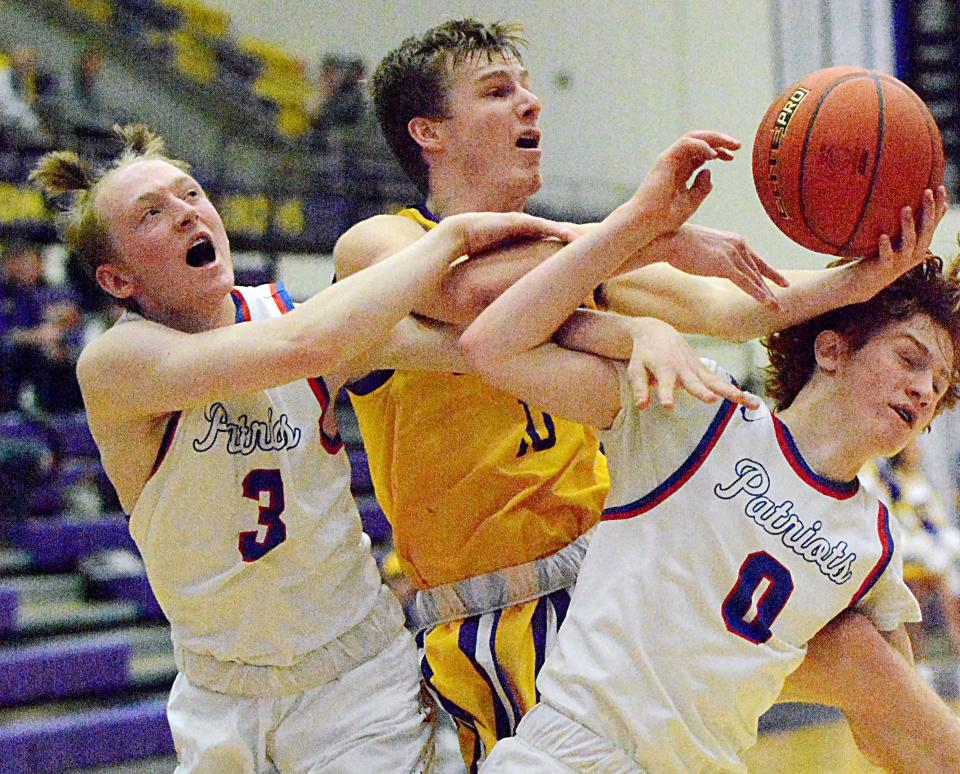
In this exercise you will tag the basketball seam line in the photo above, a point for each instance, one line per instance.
(803, 156)
(881, 131)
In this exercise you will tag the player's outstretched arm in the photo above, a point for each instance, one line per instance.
(143, 369)
(897, 720)
(659, 359)
(714, 307)
(573, 382)
(528, 313)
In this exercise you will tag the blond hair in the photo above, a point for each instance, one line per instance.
(83, 228)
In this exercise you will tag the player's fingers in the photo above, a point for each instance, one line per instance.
(942, 200)
(748, 279)
(530, 225)
(687, 155)
(768, 271)
(727, 389)
(928, 219)
(639, 384)
(886, 248)
(693, 384)
(666, 384)
(908, 231)
(699, 189)
(723, 143)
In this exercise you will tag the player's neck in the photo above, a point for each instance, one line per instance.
(451, 199)
(820, 432)
(194, 320)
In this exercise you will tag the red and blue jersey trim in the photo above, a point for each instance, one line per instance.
(281, 297)
(682, 474)
(318, 387)
(886, 544)
(240, 303)
(322, 393)
(839, 490)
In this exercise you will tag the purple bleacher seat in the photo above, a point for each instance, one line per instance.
(18, 427)
(59, 543)
(45, 499)
(134, 588)
(74, 436)
(61, 670)
(9, 602)
(97, 738)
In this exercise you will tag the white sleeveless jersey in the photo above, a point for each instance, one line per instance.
(720, 555)
(251, 538)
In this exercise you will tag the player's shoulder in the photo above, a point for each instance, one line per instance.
(372, 239)
(120, 349)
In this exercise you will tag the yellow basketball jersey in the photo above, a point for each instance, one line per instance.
(472, 479)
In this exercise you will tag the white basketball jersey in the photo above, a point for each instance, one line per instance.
(720, 555)
(251, 538)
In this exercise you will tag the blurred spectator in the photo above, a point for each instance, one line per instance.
(87, 106)
(42, 333)
(931, 545)
(341, 102)
(35, 85)
(15, 113)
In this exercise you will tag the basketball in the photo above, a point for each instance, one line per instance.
(840, 153)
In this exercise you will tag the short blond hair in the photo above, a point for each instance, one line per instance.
(83, 228)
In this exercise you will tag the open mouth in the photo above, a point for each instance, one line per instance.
(905, 414)
(201, 253)
(529, 141)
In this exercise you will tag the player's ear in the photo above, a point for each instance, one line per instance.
(829, 348)
(424, 132)
(116, 281)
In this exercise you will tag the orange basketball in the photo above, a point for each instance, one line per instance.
(840, 153)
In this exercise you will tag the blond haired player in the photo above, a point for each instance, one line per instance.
(214, 424)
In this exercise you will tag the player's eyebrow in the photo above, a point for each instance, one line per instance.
(153, 193)
(500, 72)
(940, 372)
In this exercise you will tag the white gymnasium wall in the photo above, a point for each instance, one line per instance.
(638, 74)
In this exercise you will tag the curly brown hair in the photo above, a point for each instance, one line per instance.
(925, 289)
(84, 230)
(413, 79)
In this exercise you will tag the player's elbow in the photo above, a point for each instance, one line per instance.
(466, 295)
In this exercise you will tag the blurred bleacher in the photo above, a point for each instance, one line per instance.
(85, 652)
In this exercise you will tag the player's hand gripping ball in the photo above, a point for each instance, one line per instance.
(840, 153)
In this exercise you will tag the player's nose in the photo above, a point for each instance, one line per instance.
(529, 103)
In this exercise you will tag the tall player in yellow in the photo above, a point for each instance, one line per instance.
(491, 500)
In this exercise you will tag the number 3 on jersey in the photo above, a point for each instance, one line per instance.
(757, 568)
(257, 483)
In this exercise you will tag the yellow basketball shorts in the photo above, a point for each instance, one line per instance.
(482, 669)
